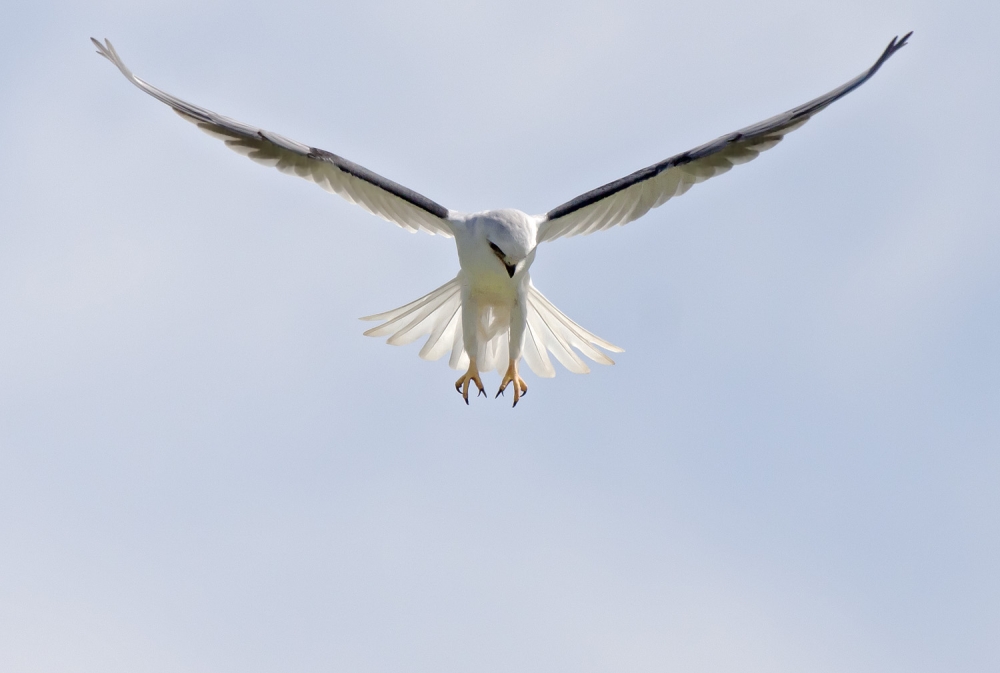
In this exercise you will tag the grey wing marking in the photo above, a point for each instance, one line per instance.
(631, 197)
(376, 194)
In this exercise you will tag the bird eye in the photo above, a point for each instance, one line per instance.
(497, 249)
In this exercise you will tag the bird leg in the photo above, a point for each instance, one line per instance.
(472, 375)
(520, 387)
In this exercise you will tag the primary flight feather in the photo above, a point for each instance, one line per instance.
(490, 315)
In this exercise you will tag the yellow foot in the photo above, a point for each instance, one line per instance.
(520, 387)
(462, 384)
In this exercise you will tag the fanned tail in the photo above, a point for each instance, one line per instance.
(438, 314)
(550, 330)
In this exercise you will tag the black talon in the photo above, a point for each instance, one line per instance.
(499, 393)
(482, 392)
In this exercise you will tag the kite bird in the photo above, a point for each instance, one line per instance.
(490, 315)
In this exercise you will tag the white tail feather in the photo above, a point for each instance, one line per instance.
(439, 315)
(550, 329)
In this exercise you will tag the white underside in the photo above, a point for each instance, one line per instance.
(438, 315)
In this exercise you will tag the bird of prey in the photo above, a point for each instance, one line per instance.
(490, 315)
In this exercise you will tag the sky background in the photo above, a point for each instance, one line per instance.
(794, 466)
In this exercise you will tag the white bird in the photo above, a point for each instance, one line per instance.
(490, 315)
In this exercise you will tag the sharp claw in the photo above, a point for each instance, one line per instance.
(520, 387)
(464, 384)
(499, 393)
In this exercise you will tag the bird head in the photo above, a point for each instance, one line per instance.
(511, 236)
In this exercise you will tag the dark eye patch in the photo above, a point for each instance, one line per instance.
(497, 250)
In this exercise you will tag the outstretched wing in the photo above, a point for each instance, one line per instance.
(634, 195)
(377, 195)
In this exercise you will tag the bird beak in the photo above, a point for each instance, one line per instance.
(511, 268)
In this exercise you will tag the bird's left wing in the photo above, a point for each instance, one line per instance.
(634, 195)
(377, 195)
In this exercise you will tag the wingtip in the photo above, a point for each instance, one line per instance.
(107, 50)
(898, 43)
(104, 49)
(895, 45)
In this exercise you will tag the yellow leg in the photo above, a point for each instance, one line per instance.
(520, 387)
(472, 375)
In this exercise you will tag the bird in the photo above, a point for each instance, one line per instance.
(490, 315)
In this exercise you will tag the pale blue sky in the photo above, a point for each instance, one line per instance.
(204, 466)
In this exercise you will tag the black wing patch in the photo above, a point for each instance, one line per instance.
(372, 178)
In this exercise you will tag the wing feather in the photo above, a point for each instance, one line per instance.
(376, 194)
(631, 197)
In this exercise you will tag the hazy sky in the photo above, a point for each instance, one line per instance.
(205, 467)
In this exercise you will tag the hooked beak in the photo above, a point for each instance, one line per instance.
(511, 268)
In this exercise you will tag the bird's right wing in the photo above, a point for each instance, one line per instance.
(634, 195)
(380, 196)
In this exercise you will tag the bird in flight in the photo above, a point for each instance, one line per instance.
(490, 315)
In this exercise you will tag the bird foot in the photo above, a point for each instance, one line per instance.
(464, 381)
(520, 387)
